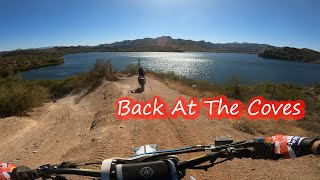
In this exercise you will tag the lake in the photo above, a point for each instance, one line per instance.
(215, 67)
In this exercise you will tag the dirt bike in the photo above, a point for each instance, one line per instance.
(142, 81)
(148, 163)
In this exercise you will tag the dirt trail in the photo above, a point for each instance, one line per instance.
(87, 130)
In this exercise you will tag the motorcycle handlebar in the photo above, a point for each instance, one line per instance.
(311, 145)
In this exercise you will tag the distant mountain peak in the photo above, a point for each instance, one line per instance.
(164, 37)
(163, 40)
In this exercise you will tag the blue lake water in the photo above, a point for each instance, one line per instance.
(215, 67)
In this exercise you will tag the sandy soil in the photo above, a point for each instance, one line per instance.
(85, 130)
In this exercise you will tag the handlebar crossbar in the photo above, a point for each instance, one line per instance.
(81, 172)
(165, 164)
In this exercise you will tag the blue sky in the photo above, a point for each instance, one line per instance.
(42, 23)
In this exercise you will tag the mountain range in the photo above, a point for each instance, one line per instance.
(168, 44)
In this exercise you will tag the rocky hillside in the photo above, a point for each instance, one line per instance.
(166, 43)
(21, 60)
(288, 53)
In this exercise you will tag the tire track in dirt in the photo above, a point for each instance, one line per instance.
(144, 131)
(104, 125)
(178, 133)
(136, 133)
(136, 130)
(176, 129)
(186, 133)
(104, 148)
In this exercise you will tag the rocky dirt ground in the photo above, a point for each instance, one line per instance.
(83, 128)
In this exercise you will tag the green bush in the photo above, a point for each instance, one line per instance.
(131, 69)
(18, 96)
(59, 88)
(317, 90)
(233, 89)
(289, 92)
(100, 70)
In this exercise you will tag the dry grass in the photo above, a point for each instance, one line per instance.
(185, 89)
(270, 127)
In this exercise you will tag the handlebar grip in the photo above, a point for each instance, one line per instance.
(315, 148)
(22, 173)
(162, 169)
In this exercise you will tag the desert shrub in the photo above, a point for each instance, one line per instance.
(131, 69)
(204, 85)
(259, 89)
(18, 96)
(317, 107)
(285, 92)
(310, 123)
(233, 89)
(317, 90)
(100, 70)
(317, 85)
(59, 88)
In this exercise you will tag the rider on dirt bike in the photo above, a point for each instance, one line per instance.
(141, 71)
(141, 77)
(155, 165)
